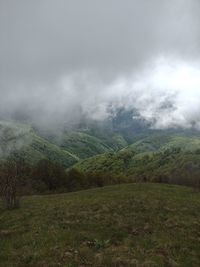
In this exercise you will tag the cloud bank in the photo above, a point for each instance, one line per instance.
(62, 61)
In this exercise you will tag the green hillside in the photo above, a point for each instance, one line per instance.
(22, 142)
(163, 158)
(85, 144)
(161, 142)
(100, 151)
(123, 225)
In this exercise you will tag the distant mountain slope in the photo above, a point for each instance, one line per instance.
(85, 145)
(22, 142)
(161, 157)
(91, 138)
(161, 142)
(122, 132)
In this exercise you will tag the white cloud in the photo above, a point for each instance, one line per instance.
(166, 93)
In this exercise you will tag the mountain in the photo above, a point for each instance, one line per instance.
(162, 141)
(21, 141)
(84, 143)
(90, 138)
(159, 157)
(68, 145)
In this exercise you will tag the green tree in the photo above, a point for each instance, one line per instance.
(48, 175)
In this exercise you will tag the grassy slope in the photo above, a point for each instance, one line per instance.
(147, 158)
(41, 148)
(84, 144)
(126, 225)
(21, 141)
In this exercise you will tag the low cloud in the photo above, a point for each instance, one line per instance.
(13, 138)
(67, 60)
(166, 93)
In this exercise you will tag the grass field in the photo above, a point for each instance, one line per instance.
(123, 225)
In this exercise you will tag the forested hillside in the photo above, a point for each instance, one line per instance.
(103, 155)
(21, 142)
(159, 158)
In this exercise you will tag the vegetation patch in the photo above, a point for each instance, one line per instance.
(123, 225)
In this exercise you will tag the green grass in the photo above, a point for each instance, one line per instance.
(123, 225)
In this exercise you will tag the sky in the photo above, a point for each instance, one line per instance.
(62, 60)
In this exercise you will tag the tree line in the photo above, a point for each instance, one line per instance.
(17, 178)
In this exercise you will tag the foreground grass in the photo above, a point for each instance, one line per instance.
(126, 225)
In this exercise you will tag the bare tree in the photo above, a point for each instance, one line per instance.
(9, 184)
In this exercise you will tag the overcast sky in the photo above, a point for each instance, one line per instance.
(60, 59)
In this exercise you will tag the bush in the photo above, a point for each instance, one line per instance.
(47, 176)
(76, 180)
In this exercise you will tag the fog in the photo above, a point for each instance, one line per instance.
(62, 61)
(13, 137)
